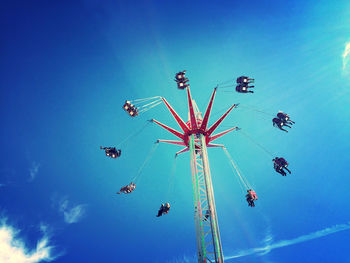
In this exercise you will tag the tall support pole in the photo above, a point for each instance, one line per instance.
(207, 229)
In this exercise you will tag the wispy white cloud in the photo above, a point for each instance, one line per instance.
(14, 250)
(346, 55)
(72, 214)
(284, 243)
(33, 170)
(268, 240)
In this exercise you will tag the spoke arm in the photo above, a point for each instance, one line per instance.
(208, 111)
(172, 142)
(190, 107)
(182, 151)
(215, 145)
(178, 119)
(214, 137)
(176, 133)
(217, 123)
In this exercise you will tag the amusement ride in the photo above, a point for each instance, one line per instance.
(196, 136)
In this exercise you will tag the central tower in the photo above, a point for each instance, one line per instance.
(196, 138)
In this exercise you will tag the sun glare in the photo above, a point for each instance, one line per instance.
(346, 56)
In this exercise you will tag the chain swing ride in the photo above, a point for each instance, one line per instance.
(196, 136)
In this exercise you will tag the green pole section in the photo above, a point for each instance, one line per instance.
(197, 204)
(211, 201)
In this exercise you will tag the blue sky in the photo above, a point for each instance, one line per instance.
(66, 69)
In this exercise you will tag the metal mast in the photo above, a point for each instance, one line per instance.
(197, 137)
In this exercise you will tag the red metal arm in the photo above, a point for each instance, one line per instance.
(207, 112)
(176, 133)
(215, 145)
(172, 142)
(217, 123)
(190, 107)
(214, 137)
(182, 151)
(178, 119)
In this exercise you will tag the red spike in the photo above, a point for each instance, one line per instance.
(217, 123)
(190, 108)
(207, 112)
(178, 119)
(214, 137)
(176, 133)
(173, 142)
(182, 151)
(215, 145)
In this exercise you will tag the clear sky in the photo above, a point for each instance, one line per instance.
(68, 66)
